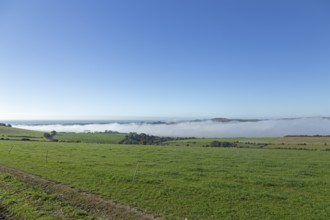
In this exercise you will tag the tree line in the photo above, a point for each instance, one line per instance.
(50, 136)
(145, 139)
(5, 125)
(222, 144)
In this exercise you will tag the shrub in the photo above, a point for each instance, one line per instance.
(222, 144)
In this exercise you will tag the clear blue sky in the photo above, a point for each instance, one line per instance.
(69, 59)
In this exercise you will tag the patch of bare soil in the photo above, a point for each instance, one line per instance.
(91, 203)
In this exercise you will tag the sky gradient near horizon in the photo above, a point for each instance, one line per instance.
(164, 59)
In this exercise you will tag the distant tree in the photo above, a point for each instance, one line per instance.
(53, 133)
(47, 136)
(222, 144)
(144, 139)
(50, 136)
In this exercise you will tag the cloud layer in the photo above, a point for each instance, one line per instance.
(266, 128)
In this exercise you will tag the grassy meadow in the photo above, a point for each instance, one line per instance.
(177, 182)
(10, 133)
(24, 201)
(297, 143)
(100, 138)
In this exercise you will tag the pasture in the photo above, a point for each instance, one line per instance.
(10, 133)
(24, 201)
(177, 182)
(298, 143)
(99, 138)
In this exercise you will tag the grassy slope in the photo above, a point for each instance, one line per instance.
(194, 182)
(26, 202)
(319, 143)
(17, 133)
(101, 138)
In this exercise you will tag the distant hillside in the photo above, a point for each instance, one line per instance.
(17, 133)
(234, 120)
(226, 120)
(220, 120)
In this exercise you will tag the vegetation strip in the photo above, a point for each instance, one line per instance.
(87, 201)
(21, 200)
(3, 213)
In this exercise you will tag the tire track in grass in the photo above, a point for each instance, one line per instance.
(3, 213)
(91, 203)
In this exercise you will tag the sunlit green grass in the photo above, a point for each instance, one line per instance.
(16, 133)
(309, 143)
(101, 138)
(187, 182)
(24, 201)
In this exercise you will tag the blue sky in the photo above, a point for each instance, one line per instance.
(164, 59)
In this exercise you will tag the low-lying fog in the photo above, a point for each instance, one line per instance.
(265, 128)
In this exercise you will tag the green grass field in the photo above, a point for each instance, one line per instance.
(28, 202)
(302, 143)
(10, 133)
(101, 138)
(17, 134)
(187, 182)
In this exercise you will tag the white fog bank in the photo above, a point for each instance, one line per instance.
(266, 128)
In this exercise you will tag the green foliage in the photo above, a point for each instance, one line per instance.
(53, 133)
(222, 144)
(187, 182)
(5, 125)
(110, 132)
(144, 139)
(50, 136)
(134, 138)
(47, 136)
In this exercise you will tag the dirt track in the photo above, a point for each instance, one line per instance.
(89, 202)
(3, 213)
